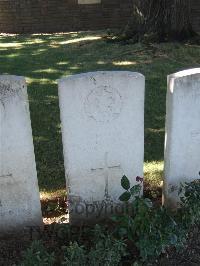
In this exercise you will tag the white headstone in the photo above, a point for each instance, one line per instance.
(19, 194)
(102, 115)
(182, 143)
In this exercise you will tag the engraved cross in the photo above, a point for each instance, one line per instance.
(106, 169)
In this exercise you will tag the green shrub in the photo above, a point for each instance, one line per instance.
(104, 251)
(152, 229)
(107, 251)
(190, 203)
(37, 255)
(75, 255)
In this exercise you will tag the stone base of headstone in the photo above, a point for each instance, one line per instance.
(83, 212)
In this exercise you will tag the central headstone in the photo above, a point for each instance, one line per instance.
(102, 115)
(19, 194)
(182, 144)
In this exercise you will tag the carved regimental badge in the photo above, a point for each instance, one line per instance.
(103, 104)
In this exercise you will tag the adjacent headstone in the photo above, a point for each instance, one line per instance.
(19, 194)
(182, 144)
(102, 115)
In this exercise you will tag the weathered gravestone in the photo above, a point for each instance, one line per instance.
(102, 115)
(182, 144)
(19, 194)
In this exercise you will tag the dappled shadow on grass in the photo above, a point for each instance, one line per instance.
(43, 59)
(47, 136)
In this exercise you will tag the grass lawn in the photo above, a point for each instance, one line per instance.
(42, 59)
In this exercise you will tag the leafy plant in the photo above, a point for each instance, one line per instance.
(151, 229)
(190, 203)
(75, 255)
(37, 255)
(105, 251)
(130, 191)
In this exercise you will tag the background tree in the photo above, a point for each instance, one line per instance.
(163, 19)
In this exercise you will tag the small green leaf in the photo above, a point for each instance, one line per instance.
(114, 219)
(125, 196)
(122, 231)
(135, 190)
(125, 182)
(173, 239)
(148, 203)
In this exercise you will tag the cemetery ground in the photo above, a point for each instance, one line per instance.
(44, 58)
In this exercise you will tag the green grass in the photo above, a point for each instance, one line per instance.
(42, 59)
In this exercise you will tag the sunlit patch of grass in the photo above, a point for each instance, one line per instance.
(153, 173)
(124, 63)
(50, 195)
(48, 70)
(11, 45)
(153, 179)
(13, 55)
(40, 81)
(62, 63)
(78, 40)
(40, 138)
(100, 62)
(74, 67)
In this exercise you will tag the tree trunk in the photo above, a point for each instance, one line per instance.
(165, 19)
(181, 27)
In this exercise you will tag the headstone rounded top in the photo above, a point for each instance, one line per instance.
(184, 73)
(10, 85)
(186, 76)
(94, 74)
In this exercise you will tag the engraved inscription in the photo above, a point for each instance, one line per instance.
(103, 104)
(6, 179)
(7, 89)
(106, 169)
(194, 144)
(195, 135)
(5, 176)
